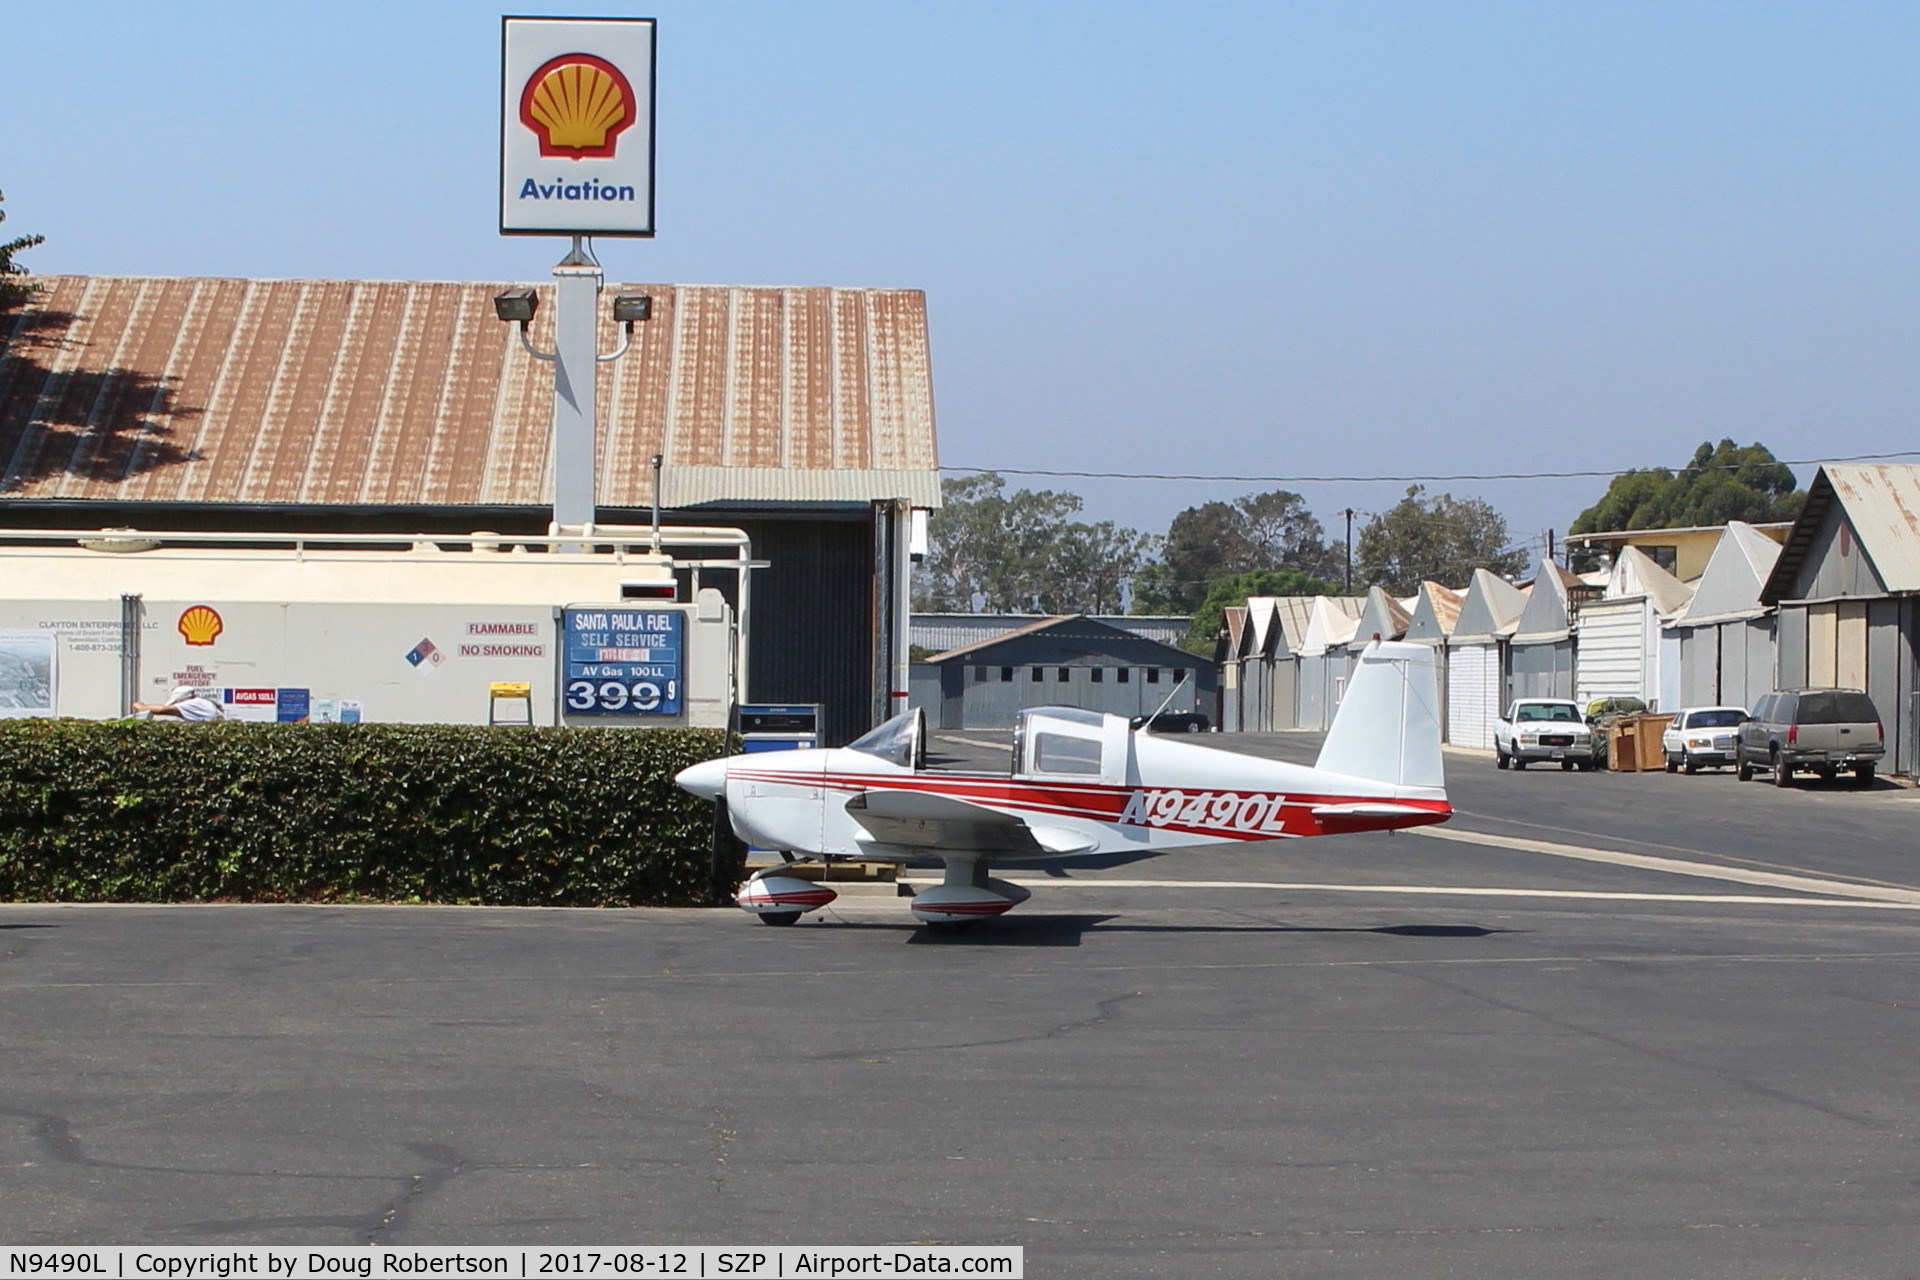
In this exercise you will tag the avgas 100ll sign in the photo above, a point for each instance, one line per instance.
(622, 662)
(576, 126)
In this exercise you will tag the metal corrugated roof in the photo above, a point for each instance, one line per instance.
(1331, 623)
(1881, 502)
(1383, 618)
(1292, 613)
(1490, 608)
(1073, 626)
(1729, 590)
(941, 632)
(412, 393)
(1233, 619)
(1635, 573)
(1546, 617)
(1433, 617)
(1260, 619)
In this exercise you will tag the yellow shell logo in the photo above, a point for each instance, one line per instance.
(199, 625)
(577, 105)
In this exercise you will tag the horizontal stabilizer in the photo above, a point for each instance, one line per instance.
(1341, 819)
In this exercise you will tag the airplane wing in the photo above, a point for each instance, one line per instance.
(918, 820)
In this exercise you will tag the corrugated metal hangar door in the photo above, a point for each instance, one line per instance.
(1473, 694)
(1613, 650)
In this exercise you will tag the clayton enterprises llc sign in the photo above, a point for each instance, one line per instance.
(576, 126)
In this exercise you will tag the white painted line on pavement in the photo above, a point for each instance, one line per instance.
(1740, 899)
(1681, 867)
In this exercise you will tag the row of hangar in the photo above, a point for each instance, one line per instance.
(1681, 617)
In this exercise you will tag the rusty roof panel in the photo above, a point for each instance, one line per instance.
(637, 394)
(403, 393)
(290, 424)
(850, 400)
(809, 388)
(193, 370)
(522, 420)
(756, 390)
(112, 405)
(698, 379)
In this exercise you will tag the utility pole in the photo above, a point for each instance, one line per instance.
(1348, 513)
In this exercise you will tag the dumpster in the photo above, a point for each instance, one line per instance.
(1633, 743)
(1623, 744)
(1652, 755)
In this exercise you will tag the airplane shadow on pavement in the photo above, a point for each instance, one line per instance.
(1071, 930)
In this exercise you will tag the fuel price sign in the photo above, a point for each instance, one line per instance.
(622, 662)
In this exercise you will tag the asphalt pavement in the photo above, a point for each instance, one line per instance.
(1599, 1025)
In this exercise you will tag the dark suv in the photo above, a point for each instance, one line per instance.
(1825, 730)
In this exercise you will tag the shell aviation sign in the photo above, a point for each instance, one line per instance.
(576, 126)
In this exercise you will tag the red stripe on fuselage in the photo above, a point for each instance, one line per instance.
(1106, 803)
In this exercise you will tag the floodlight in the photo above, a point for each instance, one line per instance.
(631, 307)
(516, 304)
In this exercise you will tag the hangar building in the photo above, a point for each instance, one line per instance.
(1072, 661)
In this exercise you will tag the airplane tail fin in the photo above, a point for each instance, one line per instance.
(1388, 726)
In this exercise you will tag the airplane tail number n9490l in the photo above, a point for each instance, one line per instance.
(1082, 785)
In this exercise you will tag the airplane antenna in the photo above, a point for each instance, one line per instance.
(1179, 671)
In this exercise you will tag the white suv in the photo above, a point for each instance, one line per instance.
(1542, 729)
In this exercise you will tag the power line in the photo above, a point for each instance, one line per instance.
(1507, 475)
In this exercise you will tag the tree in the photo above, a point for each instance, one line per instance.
(1233, 590)
(1022, 553)
(1217, 540)
(12, 289)
(1723, 482)
(1440, 537)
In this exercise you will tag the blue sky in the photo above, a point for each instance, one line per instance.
(1273, 239)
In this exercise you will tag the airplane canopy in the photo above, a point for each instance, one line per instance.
(901, 740)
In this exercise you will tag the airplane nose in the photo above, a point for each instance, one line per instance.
(706, 779)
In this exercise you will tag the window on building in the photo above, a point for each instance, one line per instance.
(1122, 674)
(1066, 673)
(1665, 557)
(1096, 674)
(1179, 675)
(980, 675)
(1153, 675)
(1006, 675)
(1039, 674)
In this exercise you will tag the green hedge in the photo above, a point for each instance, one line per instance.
(124, 811)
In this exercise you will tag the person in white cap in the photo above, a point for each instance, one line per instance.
(187, 705)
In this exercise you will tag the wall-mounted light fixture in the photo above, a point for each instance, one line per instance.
(632, 308)
(516, 304)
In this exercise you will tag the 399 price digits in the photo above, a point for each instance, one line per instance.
(616, 696)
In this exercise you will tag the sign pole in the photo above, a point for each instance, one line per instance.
(577, 281)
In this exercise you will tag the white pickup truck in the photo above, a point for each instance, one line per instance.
(1542, 729)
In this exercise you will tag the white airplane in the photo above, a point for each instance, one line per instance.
(1084, 785)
